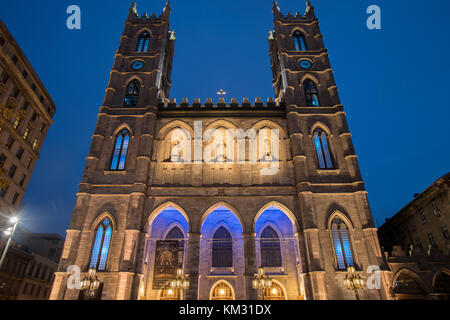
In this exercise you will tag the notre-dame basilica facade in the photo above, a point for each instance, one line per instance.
(159, 192)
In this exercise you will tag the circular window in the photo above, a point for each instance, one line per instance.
(137, 65)
(305, 64)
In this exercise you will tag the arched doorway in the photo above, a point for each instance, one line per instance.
(441, 286)
(167, 293)
(275, 292)
(165, 251)
(222, 290)
(406, 287)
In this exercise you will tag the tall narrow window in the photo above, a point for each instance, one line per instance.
(299, 41)
(270, 248)
(341, 242)
(143, 42)
(311, 93)
(101, 245)
(222, 249)
(322, 149)
(176, 234)
(132, 94)
(120, 150)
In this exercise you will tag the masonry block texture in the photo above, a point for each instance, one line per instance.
(304, 196)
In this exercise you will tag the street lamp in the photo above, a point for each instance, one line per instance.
(179, 283)
(90, 284)
(353, 281)
(14, 221)
(261, 281)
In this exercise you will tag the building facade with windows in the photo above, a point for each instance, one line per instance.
(26, 112)
(416, 242)
(284, 192)
(28, 269)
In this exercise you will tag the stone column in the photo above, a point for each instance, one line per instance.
(193, 265)
(250, 264)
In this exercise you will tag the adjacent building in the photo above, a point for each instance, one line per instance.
(26, 112)
(28, 269)
(416, 241)
(150, 201)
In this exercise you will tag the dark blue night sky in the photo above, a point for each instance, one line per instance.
(392, 82)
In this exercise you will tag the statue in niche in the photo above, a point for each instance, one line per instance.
(266, 145)
(176, 148)
(221, 147)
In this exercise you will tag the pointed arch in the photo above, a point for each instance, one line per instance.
(441, 282)
(122, 126)
(407, 282)
(278, 294)
(323, 151)
(342, 216)
(143, 40)
(168, 127)
(161, 208)
(119, 155)
(170, 229)
(101, 245)
(320, 125)
(222, 290)
(101, 217)
(222, 248)
(299, 40)
(311, 92)
(281, 207)
(270, 247)
(339, 227)
(225, 205)
(133, 89)
(218, 124)
(272, 125)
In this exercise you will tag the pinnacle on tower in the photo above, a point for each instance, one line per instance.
(309, 10)
(275, 10)
(166, 11)
(133, 11)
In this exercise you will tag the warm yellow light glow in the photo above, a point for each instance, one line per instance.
(274, 291)
(170, 292)
(222, 292)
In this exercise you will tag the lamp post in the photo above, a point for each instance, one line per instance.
(14, 221)
(180, 282)
(261, 281)
(90, 284)
(353, 281)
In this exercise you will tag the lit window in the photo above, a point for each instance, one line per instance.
(322, 149)
(311, 93)
(26, 133)
(270, 248)
(143, 42)
(132, 94)
(101, 245)
(341, 242)
(17, 123)
(222, 249)
(120, 150)
(299, 41)
(35, 144)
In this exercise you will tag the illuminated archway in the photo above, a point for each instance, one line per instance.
(275, 292)
(222, 290)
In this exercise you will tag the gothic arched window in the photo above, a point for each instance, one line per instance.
(175, 233)
(299, 41)
(311, 93)
(222, 249)
(120, 150)
(132, 94)
(143, 42)
(102, 242)
(341, 243)
(322, 149)
(270, 248)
